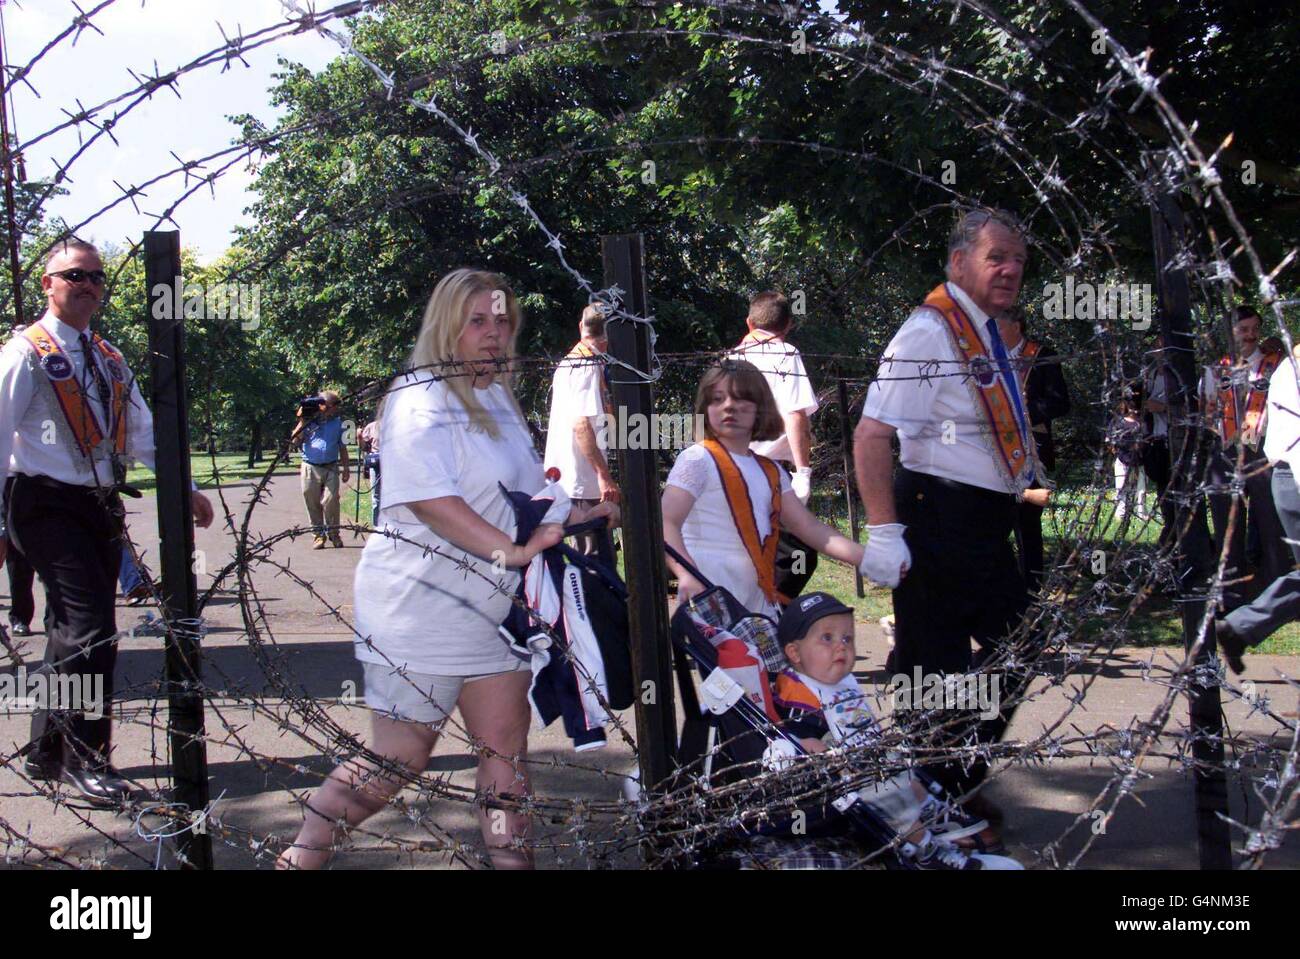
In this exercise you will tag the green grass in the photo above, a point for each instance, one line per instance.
(233, 467)
(1155, 624)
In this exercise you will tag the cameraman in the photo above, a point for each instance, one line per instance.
(320, 434)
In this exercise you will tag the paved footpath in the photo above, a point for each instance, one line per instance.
(258, 763)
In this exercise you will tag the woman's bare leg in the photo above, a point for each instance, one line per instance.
(357, 789)
(496, 711)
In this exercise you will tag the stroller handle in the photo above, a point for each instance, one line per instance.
(688, 565)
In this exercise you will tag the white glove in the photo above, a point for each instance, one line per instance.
(886, 556)
(801, 483)
(779, 754)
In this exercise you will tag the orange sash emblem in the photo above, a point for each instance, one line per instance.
(762, 552)
(1013, 453)
(72, 397)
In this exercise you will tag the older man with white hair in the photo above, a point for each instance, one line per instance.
(940, 529)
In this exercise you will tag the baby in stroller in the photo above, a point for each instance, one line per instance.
(825, 709)
(815, 706)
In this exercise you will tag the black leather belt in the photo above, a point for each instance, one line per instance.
(99, 491)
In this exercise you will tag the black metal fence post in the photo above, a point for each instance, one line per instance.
(643, 541)
(1195, 554)
(185, 728)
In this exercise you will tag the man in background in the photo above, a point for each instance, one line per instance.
(769, 321)
(579, 407)
(324, 455)
(1235, 402)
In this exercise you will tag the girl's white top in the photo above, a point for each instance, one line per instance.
(710, 532)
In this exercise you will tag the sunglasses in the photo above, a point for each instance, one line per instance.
(80, 276)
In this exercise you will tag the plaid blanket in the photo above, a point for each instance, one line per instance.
(771, 852)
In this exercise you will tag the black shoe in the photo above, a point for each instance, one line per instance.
(19, 629)
(1232, 645)
(42, 769)
(103, 786)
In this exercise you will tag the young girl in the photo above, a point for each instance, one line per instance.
(724, 506)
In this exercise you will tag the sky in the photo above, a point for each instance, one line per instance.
(136, 33)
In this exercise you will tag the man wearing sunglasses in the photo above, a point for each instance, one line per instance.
(71, 417)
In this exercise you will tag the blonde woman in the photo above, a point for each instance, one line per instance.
(450, 432)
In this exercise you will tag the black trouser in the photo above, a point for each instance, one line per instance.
(72, 537)
(1156, 462)
(1029, 538)
(1259, 500)
(22, 604)
(796, 562)
(963, 584)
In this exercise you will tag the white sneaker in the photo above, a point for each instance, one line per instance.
(989, 861)
(942, 857)
(947, 822)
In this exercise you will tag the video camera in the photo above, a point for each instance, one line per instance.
(310, 406)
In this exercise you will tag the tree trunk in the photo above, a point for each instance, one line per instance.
(255, 446)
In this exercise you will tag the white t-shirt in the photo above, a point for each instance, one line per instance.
(710, 532)
(422, 611)
(575, 392)
(919, 390)
(782, 366)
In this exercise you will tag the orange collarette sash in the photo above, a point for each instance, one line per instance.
(762, 552)
(1256, 402)
(1027, 353)
(753, 337)
(72, 398)
(1013, 454)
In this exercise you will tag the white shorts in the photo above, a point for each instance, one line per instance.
(417, 697)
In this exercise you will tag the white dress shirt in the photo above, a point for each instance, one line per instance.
(782, 366)
(922, 391)
(35, 438)
(1155, 385)
(1283, 437)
